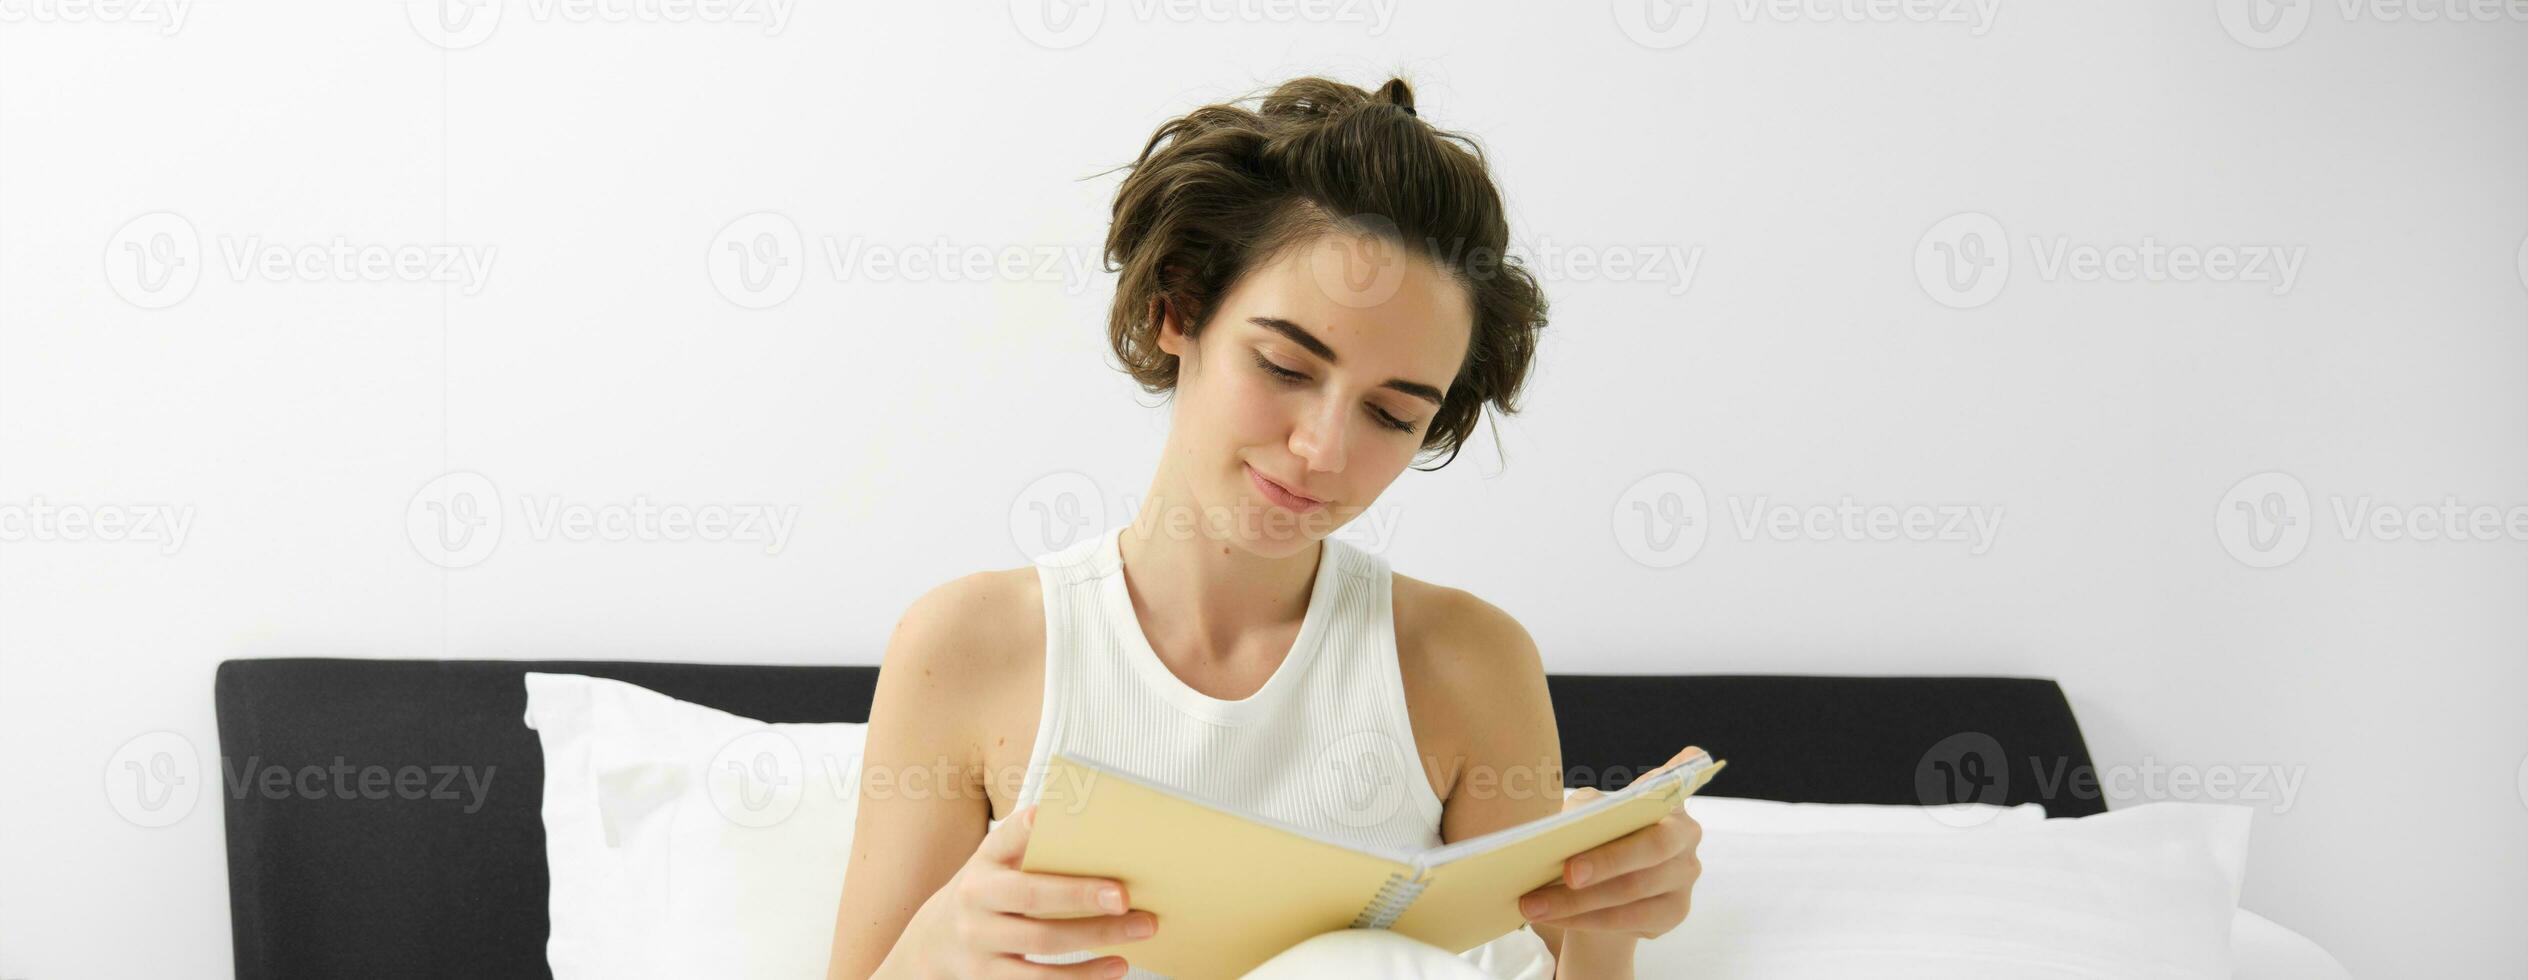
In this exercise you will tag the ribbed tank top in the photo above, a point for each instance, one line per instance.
(1325, 744)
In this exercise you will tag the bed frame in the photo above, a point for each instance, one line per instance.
(420, 887)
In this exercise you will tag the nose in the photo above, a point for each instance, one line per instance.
(1318, 438)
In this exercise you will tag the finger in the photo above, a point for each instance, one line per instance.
(1647, 917)
(1682, 756)
(1043, 937)
(1560, 901)
(1013, 968)
(1007, 842)
(1049, 896)
(1656, 844)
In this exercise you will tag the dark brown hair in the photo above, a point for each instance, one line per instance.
(1224, 188)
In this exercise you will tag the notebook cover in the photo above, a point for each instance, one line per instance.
(1229, 892)
(1475, 899)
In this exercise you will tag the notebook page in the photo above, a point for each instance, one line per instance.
(1230, 890)
(1472, 897)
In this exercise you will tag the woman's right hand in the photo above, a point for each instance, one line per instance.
(980, 925)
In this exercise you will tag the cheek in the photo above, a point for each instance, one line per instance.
(1249, 407)
(1382, 462)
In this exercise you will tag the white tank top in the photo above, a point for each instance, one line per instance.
(1325, 744)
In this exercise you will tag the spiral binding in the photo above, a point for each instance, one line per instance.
(1390, 903)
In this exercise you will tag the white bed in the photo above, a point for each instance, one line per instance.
(1790, 890)
(2264, 950)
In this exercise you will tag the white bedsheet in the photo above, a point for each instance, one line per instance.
(2260, 949)
(2264, 950)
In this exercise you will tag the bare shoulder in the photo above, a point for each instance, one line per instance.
(974, 620)
(1458, 638)
(968, 658)
(1474, 681)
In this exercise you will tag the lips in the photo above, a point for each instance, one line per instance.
(1280, 495)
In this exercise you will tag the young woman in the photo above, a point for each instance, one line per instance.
(1319, 285)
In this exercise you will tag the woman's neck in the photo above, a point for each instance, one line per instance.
(1201, 597)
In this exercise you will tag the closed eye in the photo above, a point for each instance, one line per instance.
(1277, 370)
(1290, 377)
(1390, 421)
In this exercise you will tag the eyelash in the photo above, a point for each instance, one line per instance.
(1288, 376)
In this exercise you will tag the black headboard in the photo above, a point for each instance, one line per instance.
(321, 885)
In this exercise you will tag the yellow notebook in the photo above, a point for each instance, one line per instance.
(1232, 890)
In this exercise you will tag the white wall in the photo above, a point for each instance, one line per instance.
(1800, 160)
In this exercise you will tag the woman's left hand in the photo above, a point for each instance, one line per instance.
(1638, 885)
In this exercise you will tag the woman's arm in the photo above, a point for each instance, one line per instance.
(1476, 673)
(906, 843)
(1479, 675)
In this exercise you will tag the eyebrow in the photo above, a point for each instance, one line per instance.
(1299, 335)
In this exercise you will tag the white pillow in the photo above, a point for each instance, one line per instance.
(686, 841)
(1731, 814)
(2145, 892)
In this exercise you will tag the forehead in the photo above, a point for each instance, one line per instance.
(1377, 304)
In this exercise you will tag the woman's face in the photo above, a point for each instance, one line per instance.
(1311, 389)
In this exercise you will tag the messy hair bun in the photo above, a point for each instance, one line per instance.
(1225, 187)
